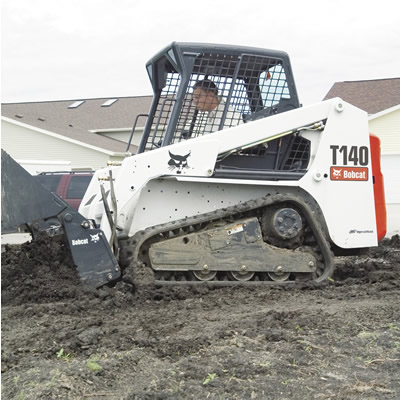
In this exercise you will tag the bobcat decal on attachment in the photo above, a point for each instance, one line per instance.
(178, 162)
(95, 238)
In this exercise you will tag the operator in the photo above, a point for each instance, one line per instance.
(207, 100)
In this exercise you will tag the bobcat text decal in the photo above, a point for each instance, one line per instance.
(178, 162)
(349, 174)
(79, 242)
(349, 155)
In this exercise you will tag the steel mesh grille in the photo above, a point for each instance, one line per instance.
(294, 156)
(246, 85)
(298, 155)
(164, 110)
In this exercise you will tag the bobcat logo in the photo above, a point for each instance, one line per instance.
(178, 162)
(337, 173)
(95, 238)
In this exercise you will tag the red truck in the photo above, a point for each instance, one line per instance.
(69, 185)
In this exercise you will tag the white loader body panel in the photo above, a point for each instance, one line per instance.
(174, 182)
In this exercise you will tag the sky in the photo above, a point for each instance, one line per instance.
(81, 49)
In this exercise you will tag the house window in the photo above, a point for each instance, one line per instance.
(109, 102)
(76, 104)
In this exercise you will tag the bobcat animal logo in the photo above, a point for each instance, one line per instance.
(95, 238)
(178, 162)
(337, 172)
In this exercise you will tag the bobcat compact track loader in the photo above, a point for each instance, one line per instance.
(245, 188)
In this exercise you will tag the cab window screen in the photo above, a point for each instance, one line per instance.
(273, 86)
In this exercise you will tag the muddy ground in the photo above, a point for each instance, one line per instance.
(336, 340)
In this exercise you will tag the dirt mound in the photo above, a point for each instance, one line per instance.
(42, 271)
(38, 271)
(379, 264)
(335, 340)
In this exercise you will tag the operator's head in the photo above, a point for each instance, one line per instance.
(205, 95)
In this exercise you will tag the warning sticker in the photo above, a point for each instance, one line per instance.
(235, 229)
(349, 174)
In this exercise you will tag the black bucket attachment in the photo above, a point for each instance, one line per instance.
(27, 206)
(23, 199)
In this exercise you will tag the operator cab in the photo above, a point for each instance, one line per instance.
(252, 83)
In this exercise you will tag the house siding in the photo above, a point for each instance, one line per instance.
(390, 164)
(28, 144)
(124, 136)
(387, 128)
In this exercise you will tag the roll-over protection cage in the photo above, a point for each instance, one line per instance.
(252, 83)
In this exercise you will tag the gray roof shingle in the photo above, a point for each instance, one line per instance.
(76, 123)
(372, 96)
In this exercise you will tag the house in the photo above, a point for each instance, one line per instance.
(84, 133)
(380, 98)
